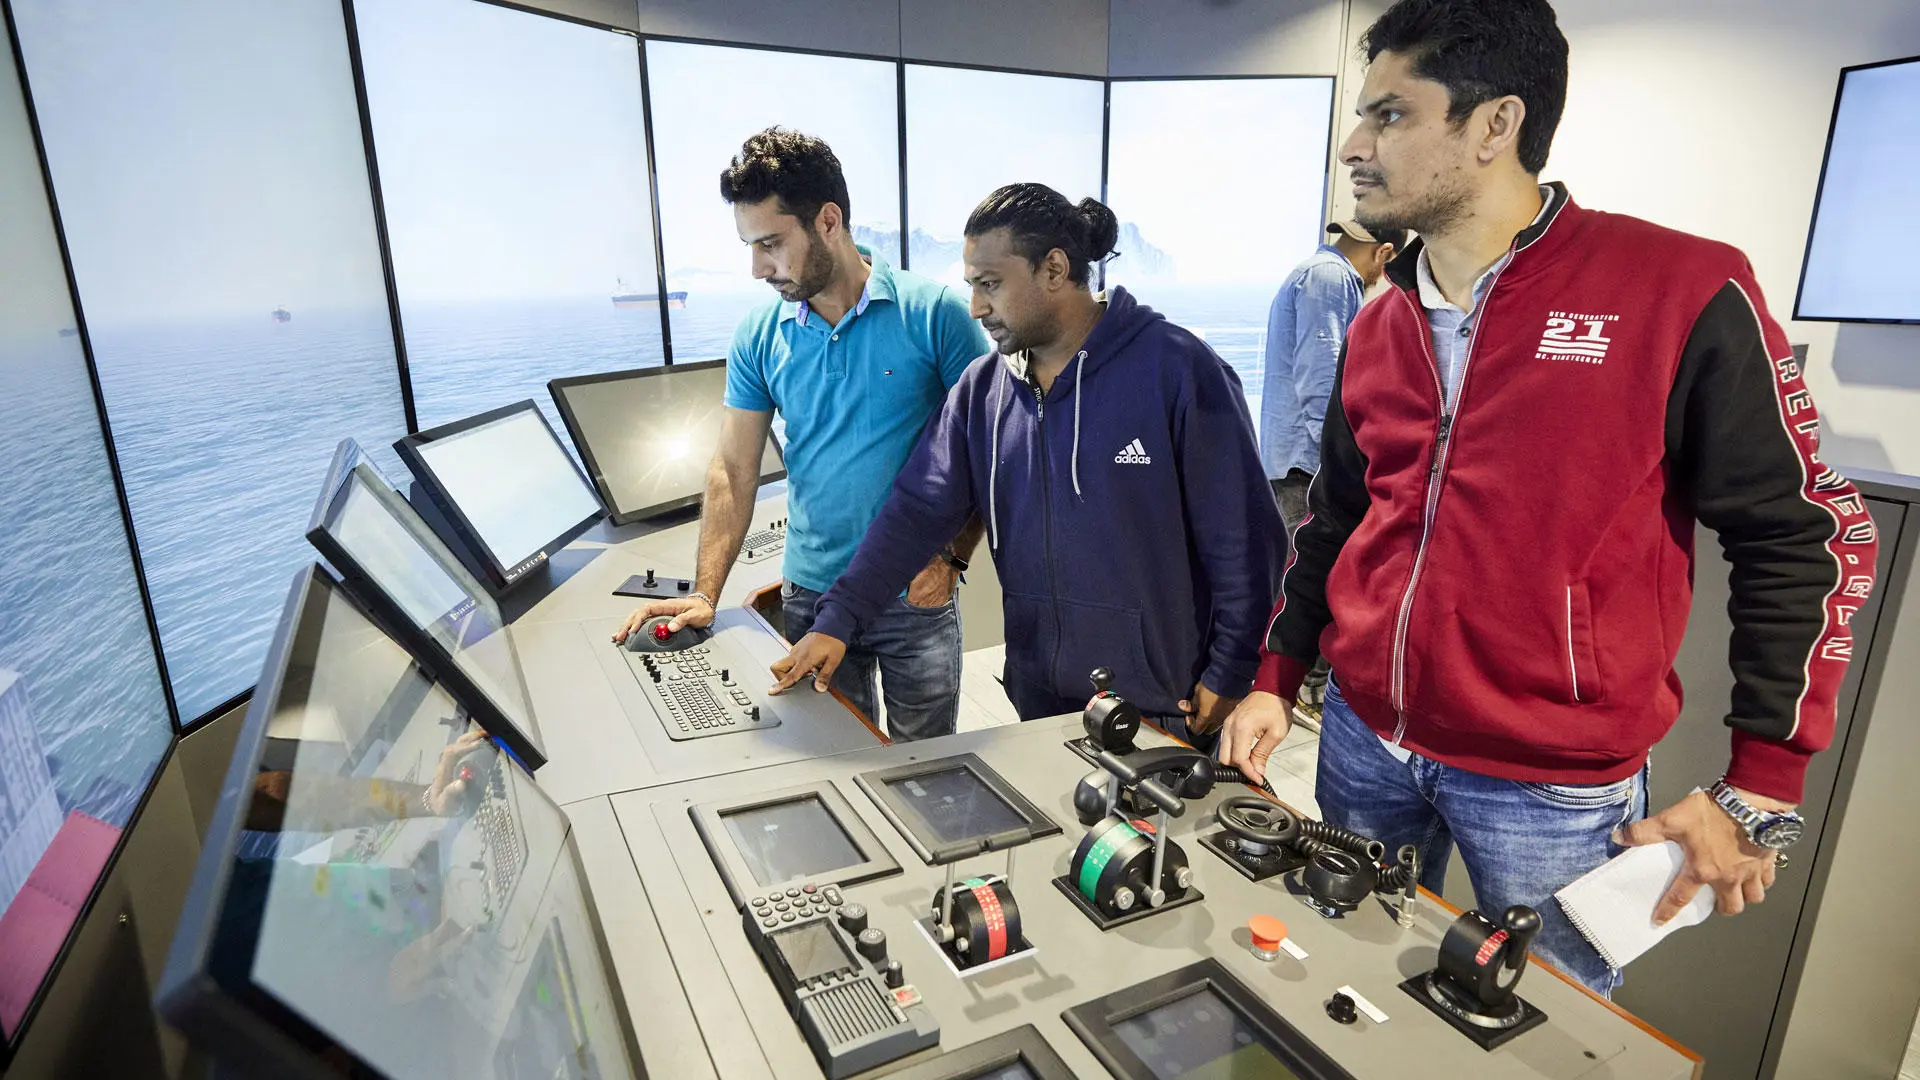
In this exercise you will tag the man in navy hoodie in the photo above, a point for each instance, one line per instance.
(1112, 456)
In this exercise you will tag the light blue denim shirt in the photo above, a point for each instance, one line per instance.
(1305, 325)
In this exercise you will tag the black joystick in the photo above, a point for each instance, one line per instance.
(895, 974)
(1342, 1009)
(853, 919)
(651, 580)
(1111, 721)
(872, 944)
(1480, 965)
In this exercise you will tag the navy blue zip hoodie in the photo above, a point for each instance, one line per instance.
(1128, 514)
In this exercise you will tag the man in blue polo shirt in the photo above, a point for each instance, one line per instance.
(856, 356)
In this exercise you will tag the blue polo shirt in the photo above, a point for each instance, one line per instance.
(854, 396)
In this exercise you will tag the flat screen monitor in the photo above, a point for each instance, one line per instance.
(404, 904)
(506, 487)
(1866, 209)
(787, 840)
(954, 807)
(395, 565)
(647, 435)
(1197, 1023)
(1019, 1054)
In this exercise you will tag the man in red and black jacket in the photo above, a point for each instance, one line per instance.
(1499, 554)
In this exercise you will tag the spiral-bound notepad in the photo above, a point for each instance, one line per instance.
(1612, 905)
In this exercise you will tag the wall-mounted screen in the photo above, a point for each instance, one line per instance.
(1180, 151)
(513, 170)
(211, 176)
(706, 100)
(1046, 130)
(1866, 207)
(83, 714)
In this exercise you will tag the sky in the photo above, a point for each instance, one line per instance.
(1228, 176)
(512, 152)
(707, 99)
(207, 155)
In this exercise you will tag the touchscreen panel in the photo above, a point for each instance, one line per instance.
(956, 805)
(513, 481)
(1201, 1037)
(792, 839)
(810, 951)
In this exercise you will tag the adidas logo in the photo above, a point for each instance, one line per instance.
(1132, 454)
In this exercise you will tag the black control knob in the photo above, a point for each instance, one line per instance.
(753, 712)
(896, 975)
(853, 918)
(1101, 678)
(725, 675)
(872, 943)
(1342, 1009)
(651, 580)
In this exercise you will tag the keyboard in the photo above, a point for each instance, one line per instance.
(763, 544)
(695, 692)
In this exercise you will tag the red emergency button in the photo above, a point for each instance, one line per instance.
(1268, 932)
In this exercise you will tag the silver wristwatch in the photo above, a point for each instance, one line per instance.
(1769, 830)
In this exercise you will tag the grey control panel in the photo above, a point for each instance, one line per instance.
(764, 543)
(700, 691)
(747, 1025)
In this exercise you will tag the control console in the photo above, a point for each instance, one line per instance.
(690, 680)
(851, 1000)
(764, 543)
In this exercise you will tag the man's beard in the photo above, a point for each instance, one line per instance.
(1439, 209)
(816, 273)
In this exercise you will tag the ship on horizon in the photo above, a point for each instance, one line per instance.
(281, 314)
(624, 297)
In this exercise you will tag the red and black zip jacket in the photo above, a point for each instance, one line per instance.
(1504, 589)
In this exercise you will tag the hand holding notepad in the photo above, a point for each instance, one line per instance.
(1612, 906)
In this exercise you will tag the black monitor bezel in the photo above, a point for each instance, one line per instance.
(737, 874)
(499, 578)
(1094, 1021)
(388, 614)
(878, 784)
(1820, 193)
(1023, 1045)
(239, 1023)
(617, 515)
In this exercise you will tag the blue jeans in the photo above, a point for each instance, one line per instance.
(1521, 841)
(916, 652)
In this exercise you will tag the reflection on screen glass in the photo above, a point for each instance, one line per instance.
(792, 839)
(1016, 1071)
(414, 569)
(1046, 130)
(956, 805)
(652, 435)
(412, 895)
(1866, 202)
(1200, 1037)
(513, 481)
(810, 951)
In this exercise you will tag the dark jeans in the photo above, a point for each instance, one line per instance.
(916, 652)
(1522, 841)
(1291, 492)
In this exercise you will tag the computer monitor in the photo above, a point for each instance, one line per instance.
(505, 486)
(412, 905)
(397, 568)
(647, 435)
(1865, 215)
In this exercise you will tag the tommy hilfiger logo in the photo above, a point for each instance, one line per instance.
(1576, 337)
(1132, 454)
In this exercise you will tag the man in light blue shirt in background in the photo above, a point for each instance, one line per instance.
(1305, 327)
(855, 355)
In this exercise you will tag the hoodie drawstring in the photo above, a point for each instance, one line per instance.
(993, 466)
(1079, 371)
